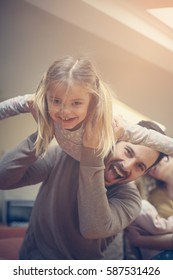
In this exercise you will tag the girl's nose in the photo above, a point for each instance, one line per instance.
(129, 164)
(64, 108)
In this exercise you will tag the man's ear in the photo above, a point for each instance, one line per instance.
(146, 171)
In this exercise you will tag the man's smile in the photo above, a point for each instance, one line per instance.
(115, 172)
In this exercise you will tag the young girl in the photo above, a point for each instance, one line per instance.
(69, 101)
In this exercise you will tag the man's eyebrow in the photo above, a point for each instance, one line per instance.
(132, 152)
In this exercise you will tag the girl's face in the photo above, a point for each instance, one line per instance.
(162, 170)
(69, 109)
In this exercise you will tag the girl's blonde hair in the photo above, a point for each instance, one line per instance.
(66, 72)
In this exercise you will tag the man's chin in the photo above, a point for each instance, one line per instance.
(116, 182)
(113, 182)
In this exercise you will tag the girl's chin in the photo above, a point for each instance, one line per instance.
(66, 124)
(70, 126)
(74, 127)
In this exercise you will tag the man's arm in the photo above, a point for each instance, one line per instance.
(100, 216)
(20, 167)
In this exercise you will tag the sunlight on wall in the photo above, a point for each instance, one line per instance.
(120, 108)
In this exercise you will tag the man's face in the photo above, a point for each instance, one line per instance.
(128, 162)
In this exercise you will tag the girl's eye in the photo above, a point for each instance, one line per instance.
(77, 103)
(56, 101)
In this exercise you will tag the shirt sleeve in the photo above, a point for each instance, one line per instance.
(150, 221)
(20, 167)
(137, 134)
(14, 106)
(102, 215)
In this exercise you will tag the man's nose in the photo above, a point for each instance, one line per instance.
(129, 164)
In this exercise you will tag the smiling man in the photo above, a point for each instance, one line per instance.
(76, 214)
(128, 162)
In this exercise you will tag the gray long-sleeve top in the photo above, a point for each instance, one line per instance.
(75, 216)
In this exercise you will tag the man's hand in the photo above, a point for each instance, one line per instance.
(134, 236)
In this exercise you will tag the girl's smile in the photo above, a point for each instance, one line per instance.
(68, 122)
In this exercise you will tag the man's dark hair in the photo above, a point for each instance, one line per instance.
(156, 127)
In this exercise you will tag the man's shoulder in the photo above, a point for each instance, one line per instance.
(124, 189)
(129, 185)
(56, 153)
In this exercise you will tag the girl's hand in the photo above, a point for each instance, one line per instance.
(91, 135)
(30, 102)
(118, 127)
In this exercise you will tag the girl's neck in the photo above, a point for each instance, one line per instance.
(76, 127)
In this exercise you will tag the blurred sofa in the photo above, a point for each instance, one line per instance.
(11, 239)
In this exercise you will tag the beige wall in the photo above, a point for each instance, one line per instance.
(13, 130)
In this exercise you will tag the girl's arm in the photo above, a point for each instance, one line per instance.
(150, 221)
(137, 134)
(156, 242)
(15, 106)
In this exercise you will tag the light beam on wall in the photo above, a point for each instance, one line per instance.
(131, 115)
(165, 15)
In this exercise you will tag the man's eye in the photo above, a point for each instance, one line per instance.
(141, 167)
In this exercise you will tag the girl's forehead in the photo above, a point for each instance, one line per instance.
(57, 87)
(75, 90)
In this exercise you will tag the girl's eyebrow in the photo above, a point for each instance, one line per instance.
(54, 97)
(77, 99)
